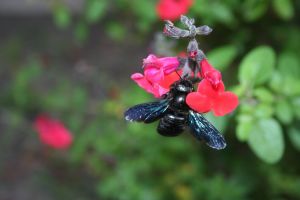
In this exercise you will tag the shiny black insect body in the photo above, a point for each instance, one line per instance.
(175, 116)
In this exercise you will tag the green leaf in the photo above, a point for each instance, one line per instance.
(75, 122)
(244, 127)
(247, 108)
(296, 106)
(21, 89)
(288, 65)
(266, 140)
(61, 15)
(82, 141)
(264, 95)
(95, 9)
(254, 9)
(290, 38)
(284, 8)
(263, 110)
(290, 86)
(79, 98)
(200, 6)
(294, 136)
(276, 82)
(116, 31)
(144, 10)
(284, 112)
(222, 13)
(239, 90)
(221, 57)
(257, 67)
(81, 31)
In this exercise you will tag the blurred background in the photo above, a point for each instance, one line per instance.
(71, 60)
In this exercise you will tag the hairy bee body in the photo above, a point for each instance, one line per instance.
(175, 120)
(172, 124)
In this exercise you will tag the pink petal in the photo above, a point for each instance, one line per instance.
(153, 88)
(150, 59)
(159, 90)
(154, 74)
(143, 82)
(169, 64)
(137, 76)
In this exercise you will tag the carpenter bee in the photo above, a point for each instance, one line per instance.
(175, 116)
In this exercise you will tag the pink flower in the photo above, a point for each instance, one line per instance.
(52, 132)
(172, 9)
(156, 71)
(208, 98)
(210, 73)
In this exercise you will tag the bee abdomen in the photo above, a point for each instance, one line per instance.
(171, 125)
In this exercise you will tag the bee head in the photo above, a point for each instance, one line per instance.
(183, 86)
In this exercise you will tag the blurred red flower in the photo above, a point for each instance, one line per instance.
(208, 98)
(157, 71)
(52, 132)
(172, 9)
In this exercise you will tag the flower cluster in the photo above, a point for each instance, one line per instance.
(160, 73)
(211, 94)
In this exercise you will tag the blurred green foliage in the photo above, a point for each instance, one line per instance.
(254, 44)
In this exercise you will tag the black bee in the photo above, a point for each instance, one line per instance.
(175, 116)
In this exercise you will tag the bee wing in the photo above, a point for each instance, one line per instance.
(204, 130)
(172, 31)
(146, 112)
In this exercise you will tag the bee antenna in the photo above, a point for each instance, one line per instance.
(178, 75)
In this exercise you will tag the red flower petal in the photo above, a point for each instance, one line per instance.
(53, 133)
(170, 79)
(198, 102)
(225, 103)
(210, 73)
(205, 88)
(172, 9)
(209, 98)
(205, 66)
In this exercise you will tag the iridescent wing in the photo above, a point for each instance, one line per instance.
(204, 130)
(147, 112)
